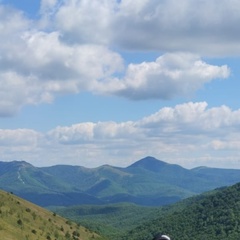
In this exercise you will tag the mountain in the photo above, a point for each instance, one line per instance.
(20, 175)
(149, 182)
(222, 176)
(20, 219)
(150, 163)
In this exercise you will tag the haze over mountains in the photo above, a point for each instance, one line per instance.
(148, 182)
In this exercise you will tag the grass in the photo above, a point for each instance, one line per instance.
(22, 220)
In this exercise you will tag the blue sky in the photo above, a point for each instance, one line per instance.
(110, 82)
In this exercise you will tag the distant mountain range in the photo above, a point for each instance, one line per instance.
(148, 182)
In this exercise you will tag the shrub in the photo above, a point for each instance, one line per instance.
(28, 210)
(19, 222)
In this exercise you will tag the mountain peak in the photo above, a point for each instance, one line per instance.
(19, 164)
(149, 163)
(13, 166)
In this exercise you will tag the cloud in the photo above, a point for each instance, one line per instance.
(88, 132)
(36, 66)
(19, 137)
(185, 133)
(171, 75)
(86, 21)
(190, 134)
(203, 27)
(19, 144)
(12, 23)
(183, 120)
(193, 120)
(72, 52)
(49, 67)
(48, 5)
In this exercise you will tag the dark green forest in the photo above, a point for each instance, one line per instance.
(112, 220)
(212, 215)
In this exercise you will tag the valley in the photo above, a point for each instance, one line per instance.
(109, 202)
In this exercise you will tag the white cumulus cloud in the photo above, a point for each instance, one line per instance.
(36, 66)
(189, 133)
(201, 26)
(186, 133)
(78, 49)
(171, 75)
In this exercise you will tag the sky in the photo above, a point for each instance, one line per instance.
(99, 82)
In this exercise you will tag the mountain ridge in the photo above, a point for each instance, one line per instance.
(148, 181)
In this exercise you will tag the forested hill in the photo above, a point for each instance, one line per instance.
(212, 217)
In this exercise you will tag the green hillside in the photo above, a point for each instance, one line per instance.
(110, 220)
(22, 220)
(211, 216)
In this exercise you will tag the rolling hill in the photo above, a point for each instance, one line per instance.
(148, 182)
(22, 220)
